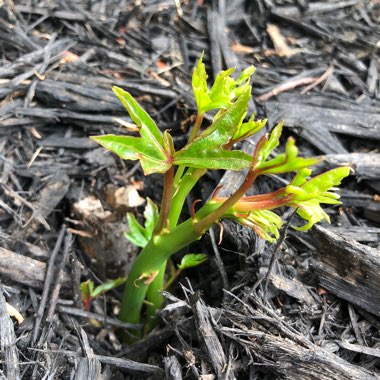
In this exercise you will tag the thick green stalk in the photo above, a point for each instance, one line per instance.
(148, 264)
(154, 297)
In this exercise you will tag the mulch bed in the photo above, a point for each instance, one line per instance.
(305, 308)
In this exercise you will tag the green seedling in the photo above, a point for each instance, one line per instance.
(212, 147)
(90, 292)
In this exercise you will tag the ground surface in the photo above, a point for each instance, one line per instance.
(314, 315)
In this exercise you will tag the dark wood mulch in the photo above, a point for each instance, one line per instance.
(307, 308)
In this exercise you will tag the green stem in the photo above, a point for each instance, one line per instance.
(155, 298)
(196, 127)
(148, 264)
(148, 271)
(178, 176)
(193, 134)
(166, 201)
(187, 182)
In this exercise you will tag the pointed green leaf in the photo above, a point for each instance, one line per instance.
(169, 144)
(301, 177)
(324, 181)
(135, 148)
(148, 128)
(224, 90)
(308, 195)
(264, 222)
(192, 260)
(152, 149)
(316, 188)
(266, 149)
(286, 162)
(221, 93)
(246, 75)
(280, 164)
(151, 218)
(106, 286)
(136, 233)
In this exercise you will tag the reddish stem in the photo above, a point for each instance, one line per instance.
(262, 205)
(257, 198)
(196, 127)
(166, 200)
(207, 221)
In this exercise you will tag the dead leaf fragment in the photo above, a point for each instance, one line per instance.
(13, 312)
(91, 207)
(128, 196)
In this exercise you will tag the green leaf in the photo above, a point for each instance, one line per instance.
(106, 286)
(169, 144)
(148, 128)
(199, 83)
(246, 75)
(136, 148)
(151, 218)
(312, 212)
(221, 93)
(152, 149)
(206, 150)
(326, 180)
(301, 177)
(192, 260)
(243, 80)
(317, 186)
(285, 162)
(268, 146)
(136, 233)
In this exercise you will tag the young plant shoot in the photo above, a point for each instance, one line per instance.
(211, 148)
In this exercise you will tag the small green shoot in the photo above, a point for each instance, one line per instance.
(90, 292)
